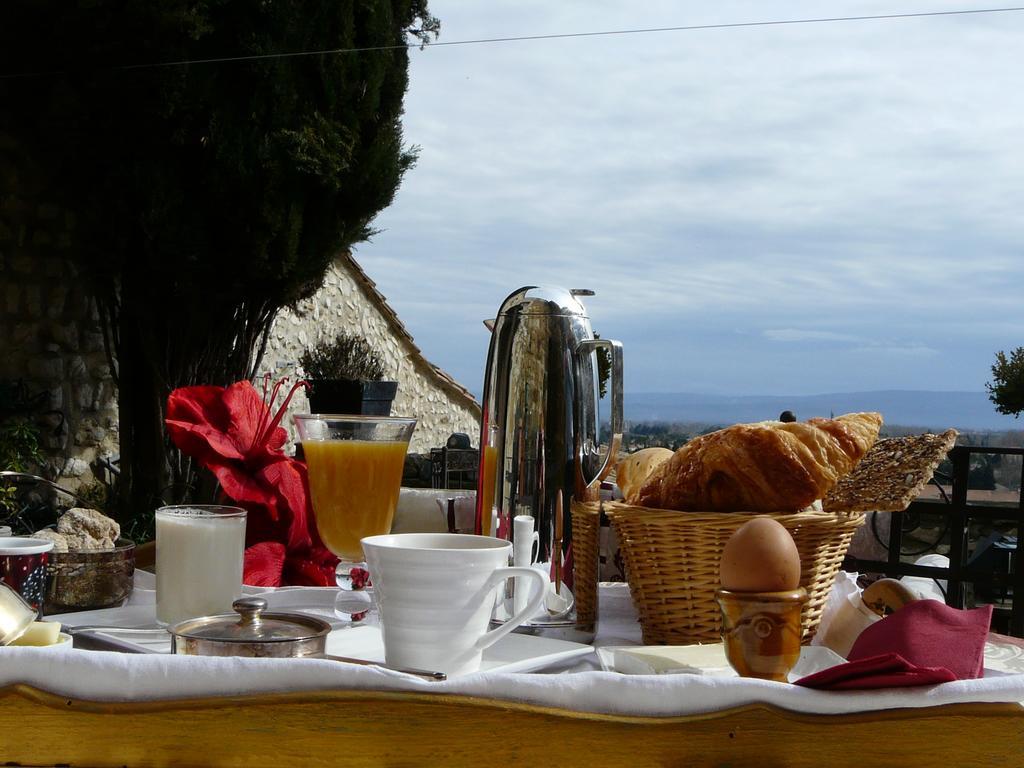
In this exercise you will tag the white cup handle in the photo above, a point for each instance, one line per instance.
(536, 600)
(536, 544)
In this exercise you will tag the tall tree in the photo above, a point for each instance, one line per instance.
(206, 195)
(1006, 389)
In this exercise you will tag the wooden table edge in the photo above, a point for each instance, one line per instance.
(372, 728)
(65, 703)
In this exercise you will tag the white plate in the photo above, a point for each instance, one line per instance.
(63, 644)
(513, 653)
(708, 661)
(130, 616)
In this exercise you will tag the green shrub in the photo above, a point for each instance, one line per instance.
(19, 452)
(346, 357)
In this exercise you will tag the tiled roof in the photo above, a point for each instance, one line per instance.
(398, 327)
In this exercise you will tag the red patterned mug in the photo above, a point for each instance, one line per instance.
(23, 567)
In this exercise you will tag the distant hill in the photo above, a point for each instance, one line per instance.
(931, 410)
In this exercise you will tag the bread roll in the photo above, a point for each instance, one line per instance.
(631, 471)
(766, 467)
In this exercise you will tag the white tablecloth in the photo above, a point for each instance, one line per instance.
(106, 676)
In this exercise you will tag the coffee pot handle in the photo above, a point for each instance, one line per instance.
(615, 350)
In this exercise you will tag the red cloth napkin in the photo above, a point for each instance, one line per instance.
(923, 643)
(889, 670)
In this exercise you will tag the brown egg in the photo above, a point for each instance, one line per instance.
(760, 557)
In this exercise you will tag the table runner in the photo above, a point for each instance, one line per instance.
(104, 676)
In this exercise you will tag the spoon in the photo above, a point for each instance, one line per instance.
(425, 673)
(143, 629)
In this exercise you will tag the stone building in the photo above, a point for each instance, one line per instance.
(53, 366)
(350, 302)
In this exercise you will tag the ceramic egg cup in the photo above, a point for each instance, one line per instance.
(762, 631)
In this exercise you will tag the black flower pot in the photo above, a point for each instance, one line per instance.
(351, 396)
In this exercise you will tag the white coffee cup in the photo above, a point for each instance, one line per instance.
(435, 593)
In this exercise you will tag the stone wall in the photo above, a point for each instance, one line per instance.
(348, 302)
(51, 342)
(50, 335)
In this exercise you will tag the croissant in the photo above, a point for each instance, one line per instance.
(766, 467)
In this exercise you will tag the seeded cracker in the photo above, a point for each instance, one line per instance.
(891, 475)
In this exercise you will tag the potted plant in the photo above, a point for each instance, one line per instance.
(346, 376)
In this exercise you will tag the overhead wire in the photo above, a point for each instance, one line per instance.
(527, 38)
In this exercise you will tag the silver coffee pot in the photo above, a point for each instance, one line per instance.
(540, 436)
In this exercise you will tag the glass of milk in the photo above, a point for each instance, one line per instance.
(199, 551)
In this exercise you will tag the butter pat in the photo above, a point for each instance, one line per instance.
(706, 659)
(40, 633)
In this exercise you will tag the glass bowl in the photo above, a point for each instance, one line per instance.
(87, 580)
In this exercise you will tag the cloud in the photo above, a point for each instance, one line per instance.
(864, 177)
(898, 351)
(797, 335)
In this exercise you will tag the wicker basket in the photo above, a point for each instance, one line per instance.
(586, 537)
(672, 561)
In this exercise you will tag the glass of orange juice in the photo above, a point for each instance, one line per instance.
(354, 466)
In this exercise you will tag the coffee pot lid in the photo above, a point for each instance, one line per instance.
(545, 300)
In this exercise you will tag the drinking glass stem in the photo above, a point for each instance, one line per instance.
(354, 602)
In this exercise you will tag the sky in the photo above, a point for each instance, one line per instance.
(792, 209)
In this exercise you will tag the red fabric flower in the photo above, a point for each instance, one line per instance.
(232, 432)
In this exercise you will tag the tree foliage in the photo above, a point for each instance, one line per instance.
(1006, 389)
(206, 196)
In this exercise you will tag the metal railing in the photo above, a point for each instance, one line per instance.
(959, 512)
